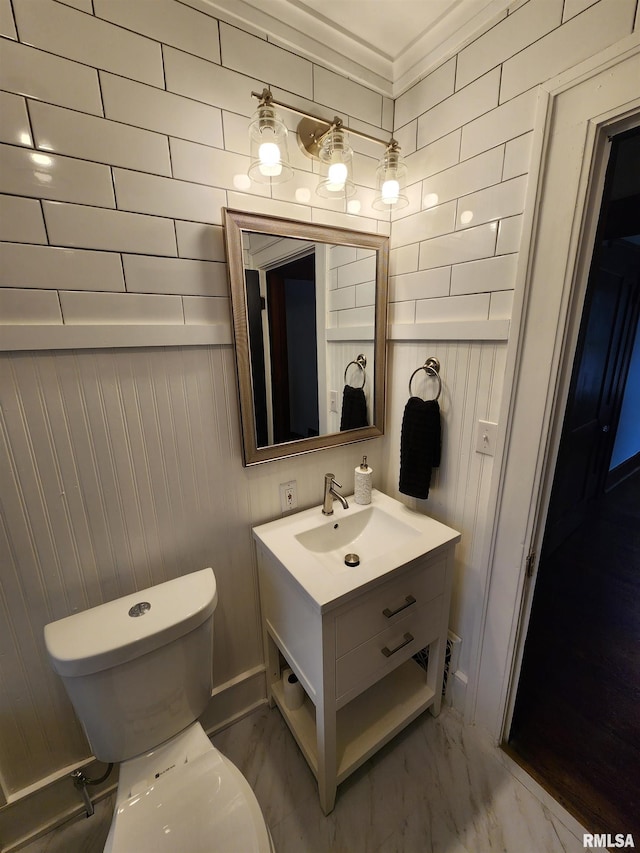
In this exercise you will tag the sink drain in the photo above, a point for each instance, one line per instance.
(352, 560)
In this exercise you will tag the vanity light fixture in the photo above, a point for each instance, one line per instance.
(327, 142)
(269, 152)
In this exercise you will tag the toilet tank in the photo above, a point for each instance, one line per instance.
(138, 670)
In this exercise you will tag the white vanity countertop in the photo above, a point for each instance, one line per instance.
(322, 574)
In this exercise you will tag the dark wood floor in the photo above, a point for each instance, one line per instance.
(576, 726)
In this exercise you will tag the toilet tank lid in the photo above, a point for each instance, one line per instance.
(107, 635)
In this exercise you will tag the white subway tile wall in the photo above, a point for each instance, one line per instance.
(93, 138)
(486, 275)
(203, 242)
(501, 305)
(112, 230)
(174, 115)
(84, 38)
(517, 156)
(124, 135)
(577, 39)
(532, 21)
(172, 23)
(352, 297)
(7, 27)
(502, 124)
(15, 124)
(146, 274)
(574, 7)
(45, 77)
(467, 129)
(466, 104)
(33, 173)
(52, 267)
(347, 96)
(29, 306)
(509, 234)
(252, 56)
(489, 205)
(82, 307)
(21, 220)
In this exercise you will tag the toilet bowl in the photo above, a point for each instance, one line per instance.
(185, 796)
(138, 671)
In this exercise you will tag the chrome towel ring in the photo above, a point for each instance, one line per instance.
(432, 368)
(361, 362)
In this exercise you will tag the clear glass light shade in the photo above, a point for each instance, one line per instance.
(391, 181)
(269, 150)
(336, 154)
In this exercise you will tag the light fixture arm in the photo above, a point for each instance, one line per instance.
(266, 97)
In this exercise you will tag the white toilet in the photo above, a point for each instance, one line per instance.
(138, 672)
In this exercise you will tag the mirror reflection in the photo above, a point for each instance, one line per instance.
(309, 306)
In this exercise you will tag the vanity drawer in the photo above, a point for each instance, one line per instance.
(371, 660)
(386, 605)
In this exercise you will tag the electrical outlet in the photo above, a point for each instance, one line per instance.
(288, 496)
(333, 401)
(486, 437)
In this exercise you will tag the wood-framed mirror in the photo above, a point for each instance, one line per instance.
(309, 309)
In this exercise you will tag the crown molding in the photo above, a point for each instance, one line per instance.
(308, 37)
(297, 29)
(461, 26)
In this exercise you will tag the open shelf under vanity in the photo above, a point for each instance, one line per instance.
(366, 723)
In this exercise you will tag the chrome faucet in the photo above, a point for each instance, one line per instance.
(330, 493)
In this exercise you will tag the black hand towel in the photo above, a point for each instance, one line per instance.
(354, 408)
(419, 446)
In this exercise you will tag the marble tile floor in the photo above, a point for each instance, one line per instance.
(438, 787)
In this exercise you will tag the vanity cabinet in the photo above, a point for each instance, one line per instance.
(353, 655)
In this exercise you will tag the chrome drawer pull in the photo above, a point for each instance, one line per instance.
(408, 602)
(387, 652)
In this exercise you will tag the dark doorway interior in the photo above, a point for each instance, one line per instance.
(291, 299)
(576, 722)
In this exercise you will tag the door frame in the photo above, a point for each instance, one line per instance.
(577, 111)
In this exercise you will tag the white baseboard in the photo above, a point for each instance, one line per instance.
(48, 804)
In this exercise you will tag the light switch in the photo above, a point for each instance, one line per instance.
(486, 437)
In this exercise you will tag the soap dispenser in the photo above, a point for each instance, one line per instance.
(363, 481)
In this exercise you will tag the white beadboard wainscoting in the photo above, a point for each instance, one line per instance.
(120, 470)
(472, 374)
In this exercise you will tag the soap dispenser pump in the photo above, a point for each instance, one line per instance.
(363, 482)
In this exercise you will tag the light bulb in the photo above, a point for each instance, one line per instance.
(336, 176)
(270, 163)
(390, 191)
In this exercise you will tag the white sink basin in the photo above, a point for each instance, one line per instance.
(360, 537)
(384, 535)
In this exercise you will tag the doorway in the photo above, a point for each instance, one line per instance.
(575, 725)
(291, 311)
